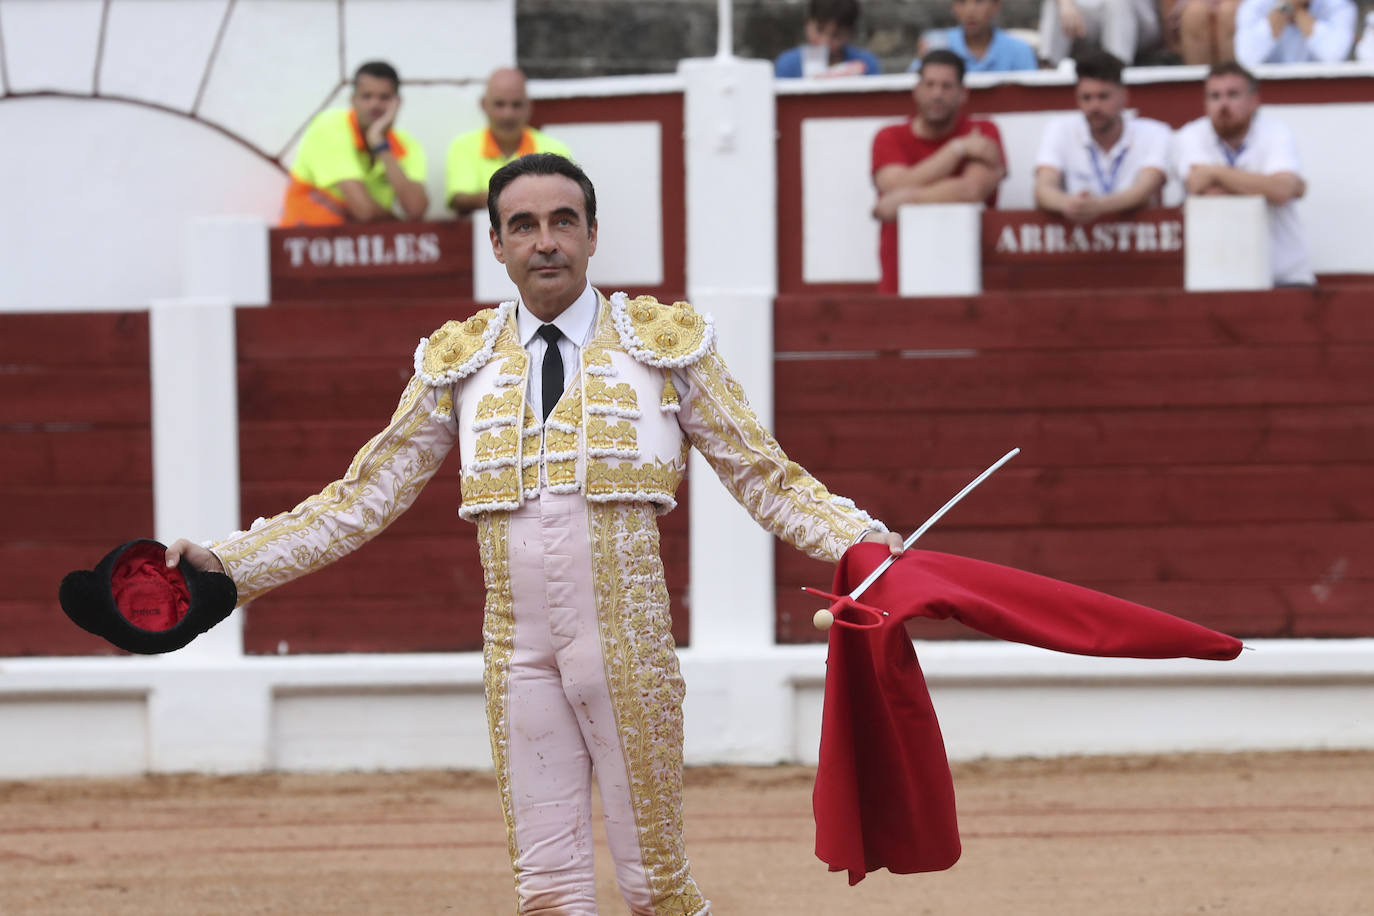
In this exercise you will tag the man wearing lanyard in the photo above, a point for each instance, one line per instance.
(1100, 162)
(1237, 149)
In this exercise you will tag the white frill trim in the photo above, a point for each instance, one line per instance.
(670, 407)
(605, 371)
(560, 426)
(636, 348)
(613, 452)
(508, 381)
(257, 523)
(441, 413)
(605, 410)
(635, 496)
(489, 422)
(493, 463)
(560, 456)
(530, 461)
(472, 363)
(468, 513)
(566, 488)
(532, 493)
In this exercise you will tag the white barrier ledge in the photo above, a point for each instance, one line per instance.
(121, 716)
(1226, 244)
(939, 250)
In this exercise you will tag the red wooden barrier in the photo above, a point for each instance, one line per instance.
(1205, 454)
(76, 447)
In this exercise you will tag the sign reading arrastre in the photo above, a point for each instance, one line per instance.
(1030, 249)
(354, 261)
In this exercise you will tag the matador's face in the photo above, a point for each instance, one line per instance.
(545, 241)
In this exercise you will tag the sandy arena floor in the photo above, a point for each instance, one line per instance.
(1242, 834)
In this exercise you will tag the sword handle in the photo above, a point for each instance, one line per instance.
(843, 610)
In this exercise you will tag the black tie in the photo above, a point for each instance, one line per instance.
(553, 367)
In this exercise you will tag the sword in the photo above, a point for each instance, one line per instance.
(825, 617)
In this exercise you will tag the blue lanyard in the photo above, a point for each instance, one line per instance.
(1108, 182)
(1231, 157)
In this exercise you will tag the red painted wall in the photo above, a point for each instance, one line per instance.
(1207, 454)
(76, 448)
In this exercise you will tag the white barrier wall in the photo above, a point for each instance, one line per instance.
(184, 110)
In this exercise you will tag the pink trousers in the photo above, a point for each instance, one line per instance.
(582, 678)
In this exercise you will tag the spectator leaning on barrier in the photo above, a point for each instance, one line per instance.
(475, 156)
(939, 155)
(983, 46)
(355, 165)
(1238, 149)
(1123, 28)
(1101, 160)
(1294, 31)
(829, 29)
(1201, 31)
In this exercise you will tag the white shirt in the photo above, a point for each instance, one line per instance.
(1068, 146)
(1332, 34)
(575, 322)
(1269, 148)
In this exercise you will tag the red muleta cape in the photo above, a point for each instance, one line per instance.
(884, 797)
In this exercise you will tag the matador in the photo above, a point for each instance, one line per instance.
(573, 414)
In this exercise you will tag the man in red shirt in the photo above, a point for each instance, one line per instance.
(938, 156)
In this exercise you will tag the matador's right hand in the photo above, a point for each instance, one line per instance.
(198, 556)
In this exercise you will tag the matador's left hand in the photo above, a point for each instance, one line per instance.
(892, 539)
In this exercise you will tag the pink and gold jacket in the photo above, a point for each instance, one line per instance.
(650, 385)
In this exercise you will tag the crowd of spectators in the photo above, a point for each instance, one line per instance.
(1096, 163)
(1133, 31)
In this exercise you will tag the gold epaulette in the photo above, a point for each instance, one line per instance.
(460, 348)
(668, 336)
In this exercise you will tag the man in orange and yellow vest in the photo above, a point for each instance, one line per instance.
(475, 156)
(354, 164)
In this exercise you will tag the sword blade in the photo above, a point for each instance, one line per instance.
(915, 535)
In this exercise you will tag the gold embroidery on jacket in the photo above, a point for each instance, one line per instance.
(759, 474)
(499, 409)
(656, 481)
(494, 445)
(606, 398)
(614, 437)
(646, 691)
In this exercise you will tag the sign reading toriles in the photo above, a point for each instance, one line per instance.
(367, 260)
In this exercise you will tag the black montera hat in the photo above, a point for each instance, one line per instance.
(139, 604)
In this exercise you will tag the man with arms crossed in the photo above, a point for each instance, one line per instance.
(1238, 149)
(938, 156)
(573, 414)
(1101, 161)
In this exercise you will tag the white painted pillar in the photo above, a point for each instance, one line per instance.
(1226, 244)
(732, 250)
(195, 435)
(939, 250)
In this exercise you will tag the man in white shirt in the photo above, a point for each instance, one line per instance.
(1237, 149)
(1294, 31)
(1100, 161)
